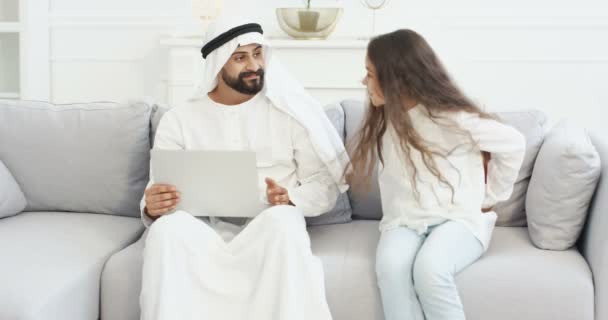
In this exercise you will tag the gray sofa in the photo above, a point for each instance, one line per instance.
(75, 251)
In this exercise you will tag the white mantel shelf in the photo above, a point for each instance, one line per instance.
(286, 43)
(9, 27)
(334, 78)
(9, 95)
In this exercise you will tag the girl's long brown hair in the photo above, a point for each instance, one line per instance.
(406, 67)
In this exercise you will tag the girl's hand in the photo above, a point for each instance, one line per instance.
(486, 158)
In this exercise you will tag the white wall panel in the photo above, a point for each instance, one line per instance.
(550, 55)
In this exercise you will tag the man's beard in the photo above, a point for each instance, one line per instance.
(239, 84)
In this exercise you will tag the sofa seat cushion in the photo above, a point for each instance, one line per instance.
(52, 262)
(121, 283)
(348, 253)
(516, 280)
(512, 280)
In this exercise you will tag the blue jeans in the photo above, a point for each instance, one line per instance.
(416, 272)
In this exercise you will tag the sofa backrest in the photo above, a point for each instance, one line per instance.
(157, 113)
(91, 157)
(365, 205)
(531, 123)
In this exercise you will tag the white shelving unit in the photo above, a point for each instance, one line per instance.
(24, 50)
(10, 31)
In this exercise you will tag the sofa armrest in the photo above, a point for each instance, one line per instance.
(594, 240)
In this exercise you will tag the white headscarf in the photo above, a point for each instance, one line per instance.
(285, 93)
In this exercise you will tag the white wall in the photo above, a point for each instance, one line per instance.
(545, 54)
(551, 55)
(109, 49)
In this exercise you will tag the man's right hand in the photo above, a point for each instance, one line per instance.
(161, 199)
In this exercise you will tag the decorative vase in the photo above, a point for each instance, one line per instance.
(313, 23)
(308, 20)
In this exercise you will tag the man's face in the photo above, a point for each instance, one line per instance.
(244, 71)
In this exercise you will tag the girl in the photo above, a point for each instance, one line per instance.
(431, 141)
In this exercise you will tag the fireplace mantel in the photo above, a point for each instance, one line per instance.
(331, 70)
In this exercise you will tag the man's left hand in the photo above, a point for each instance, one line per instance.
(276, 194)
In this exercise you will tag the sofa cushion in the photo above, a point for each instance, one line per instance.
(346, 250)
(365, 205)
(12, 200)
(548, 284)
(121, 283)
(516, 280)
(348, 253)
(565, 175)
(594, 242)
(341, 213)
(78, 157)
(157, 113)
(533, 125)
(52, 262)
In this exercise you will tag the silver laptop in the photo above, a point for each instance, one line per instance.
(211, 183)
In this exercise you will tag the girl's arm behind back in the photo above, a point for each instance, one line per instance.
(507, 148)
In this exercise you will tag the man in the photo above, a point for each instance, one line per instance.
(239, 268)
